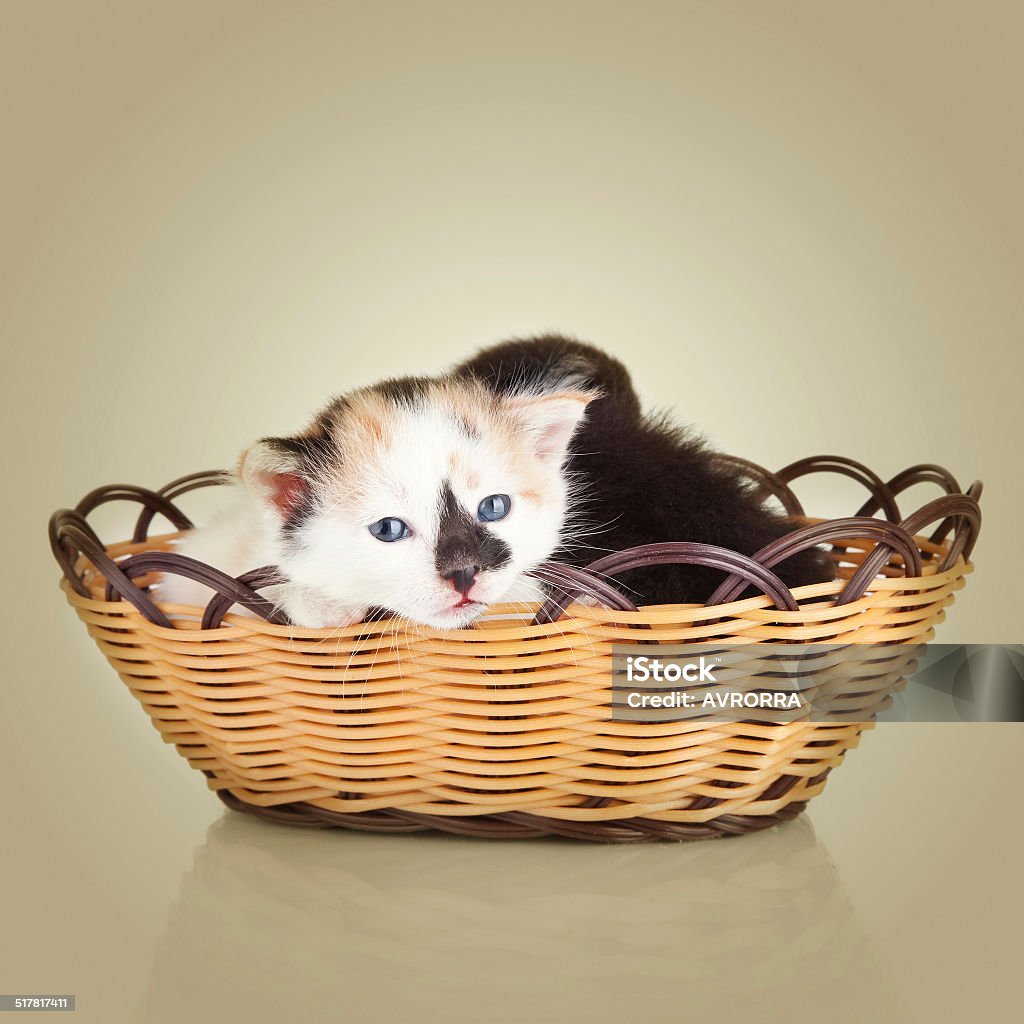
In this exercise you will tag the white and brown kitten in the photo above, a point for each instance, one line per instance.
(427, 497)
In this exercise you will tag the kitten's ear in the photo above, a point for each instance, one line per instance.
(551, 420)
(272, 471)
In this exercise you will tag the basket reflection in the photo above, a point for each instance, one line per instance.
(356, 926)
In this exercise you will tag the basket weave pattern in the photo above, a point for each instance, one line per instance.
(505, 730)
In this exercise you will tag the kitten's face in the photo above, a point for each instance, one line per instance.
(431, 503)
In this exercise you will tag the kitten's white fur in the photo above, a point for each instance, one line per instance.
(337, 569)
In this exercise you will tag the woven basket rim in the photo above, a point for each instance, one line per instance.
(490, 627)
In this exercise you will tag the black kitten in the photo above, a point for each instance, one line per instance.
(645, 479)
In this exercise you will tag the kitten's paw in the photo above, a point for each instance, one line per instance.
(312, 611)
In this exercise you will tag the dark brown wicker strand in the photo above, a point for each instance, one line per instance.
(234, 591)
(175, 489)
(845, 467)
(959, 507)
(765, 483)
(682, 553)
(892, 538)
(516, 824)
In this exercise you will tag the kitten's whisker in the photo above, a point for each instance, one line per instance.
(612, 580)
(570, 584)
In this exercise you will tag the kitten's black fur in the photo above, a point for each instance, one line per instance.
(645, 479)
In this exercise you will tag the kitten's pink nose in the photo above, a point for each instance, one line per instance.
(462, 579)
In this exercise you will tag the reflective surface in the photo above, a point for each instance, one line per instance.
(370, 923)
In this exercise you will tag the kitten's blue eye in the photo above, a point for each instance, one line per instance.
(389, 529)
(494, 507)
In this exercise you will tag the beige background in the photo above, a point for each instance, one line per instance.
(800, 223)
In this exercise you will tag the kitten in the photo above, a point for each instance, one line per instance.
(641, 478)
(433, 497)
(428, 497)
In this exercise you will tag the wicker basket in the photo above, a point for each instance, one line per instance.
(505, 730)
